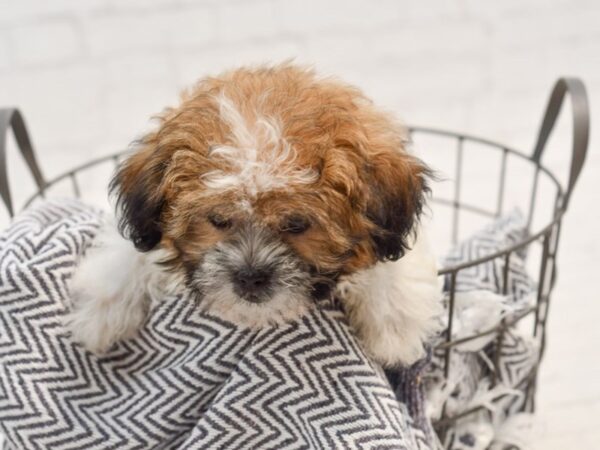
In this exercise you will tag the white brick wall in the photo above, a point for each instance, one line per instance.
(423, 61)
(47, 42)
(89, 73)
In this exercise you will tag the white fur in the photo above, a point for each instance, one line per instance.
(260, 158)
(112, 290)
(395, 307)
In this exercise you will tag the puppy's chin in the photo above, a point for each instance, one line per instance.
(283, 305)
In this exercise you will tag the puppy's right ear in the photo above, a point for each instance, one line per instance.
(137, 188)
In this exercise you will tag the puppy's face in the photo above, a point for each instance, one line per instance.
(266, 185)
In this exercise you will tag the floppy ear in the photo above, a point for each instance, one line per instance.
(397, 186)
(137, 187)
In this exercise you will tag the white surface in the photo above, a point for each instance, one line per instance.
(88, 74)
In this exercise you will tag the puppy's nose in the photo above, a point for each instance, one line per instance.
(252, 280)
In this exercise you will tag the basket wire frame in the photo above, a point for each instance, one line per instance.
(547, 236)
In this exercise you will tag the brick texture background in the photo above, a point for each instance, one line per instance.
(89, 73)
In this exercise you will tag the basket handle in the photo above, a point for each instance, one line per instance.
(581, 126)
(12, 118)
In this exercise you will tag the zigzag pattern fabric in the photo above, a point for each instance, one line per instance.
(188, 380)
(498, 235)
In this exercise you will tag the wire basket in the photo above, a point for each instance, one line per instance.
(540, 182)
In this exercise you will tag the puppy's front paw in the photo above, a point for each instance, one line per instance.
(91, 330)
(108, 299)
(97, 322)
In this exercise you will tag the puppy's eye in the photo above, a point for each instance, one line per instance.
(295, 225)
(219, 222)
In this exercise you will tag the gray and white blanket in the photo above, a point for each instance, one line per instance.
(189, 380)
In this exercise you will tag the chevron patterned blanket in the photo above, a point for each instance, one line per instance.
(188, 381)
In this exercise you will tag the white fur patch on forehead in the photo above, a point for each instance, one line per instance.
(259, 160)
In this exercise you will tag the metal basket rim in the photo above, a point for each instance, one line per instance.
(539, 167)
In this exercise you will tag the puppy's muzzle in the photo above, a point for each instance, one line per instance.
(253, 267)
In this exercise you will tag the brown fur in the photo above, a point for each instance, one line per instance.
(361, 208)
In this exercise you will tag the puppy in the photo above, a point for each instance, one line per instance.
(264, 190)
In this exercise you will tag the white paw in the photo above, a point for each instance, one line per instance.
(97, 322)
(108, 295)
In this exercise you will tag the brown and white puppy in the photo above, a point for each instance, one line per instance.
(263, 190)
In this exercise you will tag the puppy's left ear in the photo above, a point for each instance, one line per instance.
(397, 187)
(140, 201)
